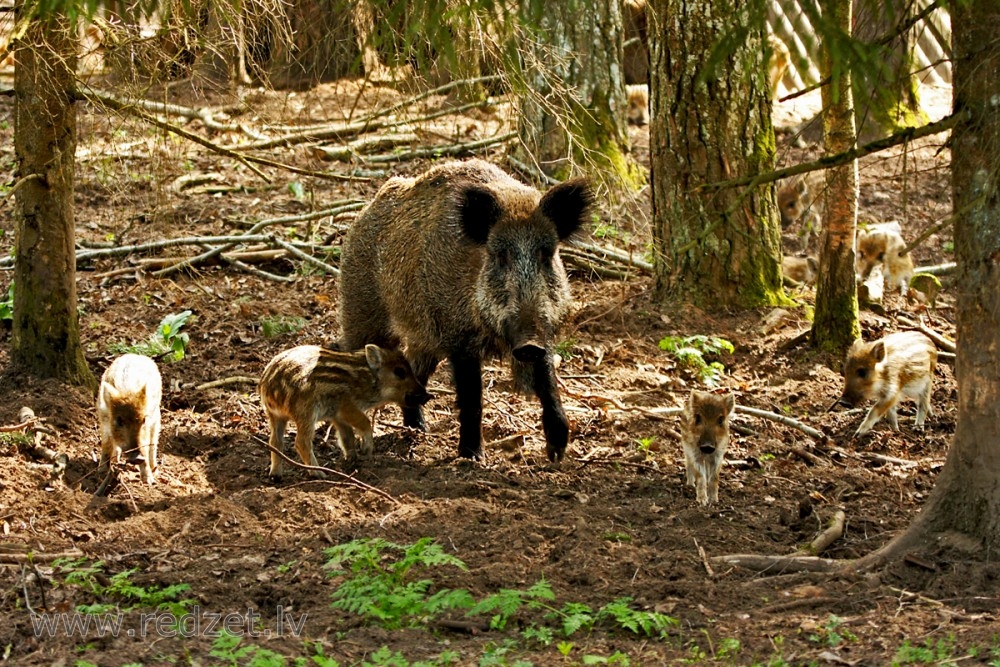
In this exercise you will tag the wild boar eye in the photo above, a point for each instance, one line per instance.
(722, 421)
(697, 420)
(399, 372)
(881, 256)
(862, 373)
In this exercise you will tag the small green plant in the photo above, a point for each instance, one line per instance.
(616, 658)
(7, 304)
(168, 341)
(931, 652)
(565, 349)
(119, 592)
(691, 351)
(506, 602)
(286, 567)
(646, 444)
(282, 324)
(606, 231)
(229, 649)
(832, 633)
(497, 655)
(297, 190)
(380, 588)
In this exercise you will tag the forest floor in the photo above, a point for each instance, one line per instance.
(614, 521)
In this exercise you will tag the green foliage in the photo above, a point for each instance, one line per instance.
(565, 348)
(7, 304)
(931, 652)
(383, 657)
(276, 326)
(297, 190)
(831, 633)
(119, 592)
(228, 648)
(616, 658)
(507, 602)
(168, 341)
(379, 587)
(691, 350)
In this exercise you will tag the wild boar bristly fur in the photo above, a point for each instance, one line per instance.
(461, 263)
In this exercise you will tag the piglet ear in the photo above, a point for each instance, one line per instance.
(478, 210)
(879, 351)
(108, 393)
(373, 353)
(567, 206)
(730, 403)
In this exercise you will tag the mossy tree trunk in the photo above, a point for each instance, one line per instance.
(885, 93)
(46, 331)
(835, 323)
(965, 503)
(714, 248)
(573, 112)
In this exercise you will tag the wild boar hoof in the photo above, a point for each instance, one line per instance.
(475, 453)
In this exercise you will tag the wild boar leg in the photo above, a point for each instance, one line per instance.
(345, 438)
(876, 413)
(468, 376)
(357, 419)
(304, 445)
(277, 441)
(554, 421)
(423, 367)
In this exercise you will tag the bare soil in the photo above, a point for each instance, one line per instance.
(615, 520)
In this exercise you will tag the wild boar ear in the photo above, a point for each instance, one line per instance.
(108, 393)
(813, 264)
(373, 353)
(479, 210)
(878, 351)
(730, 403)
(567, 206)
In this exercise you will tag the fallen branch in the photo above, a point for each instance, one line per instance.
(832, 533)
(346, 479)
(937, 269)
(782, 419)
(39, 431)
(306, 256)
(88, 94)
(361, 147)
(27, 556)
(440, 151)
(779, 564)
(248, 160)
(224, 382)
(204, 115)
(944, 343)
(704, 558)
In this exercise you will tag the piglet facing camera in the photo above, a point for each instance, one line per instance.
(308, 383)
(128, 409)
(705, 438)
(901, 364)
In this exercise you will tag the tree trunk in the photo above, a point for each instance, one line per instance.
(573, 112)
(966, 499)
(835, 323)
(714, 248)
(46, 332)
(886, 93)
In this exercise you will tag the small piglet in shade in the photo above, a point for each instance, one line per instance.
(128, 409)
(309, 383)
(901, 364)
(705, 438)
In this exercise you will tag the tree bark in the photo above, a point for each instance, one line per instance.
(46, 331)
(966, 498)
(572, 115)
(715, 248)
(886, 93)
(835, 322)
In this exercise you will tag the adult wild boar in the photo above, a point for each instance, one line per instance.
(460, 263)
